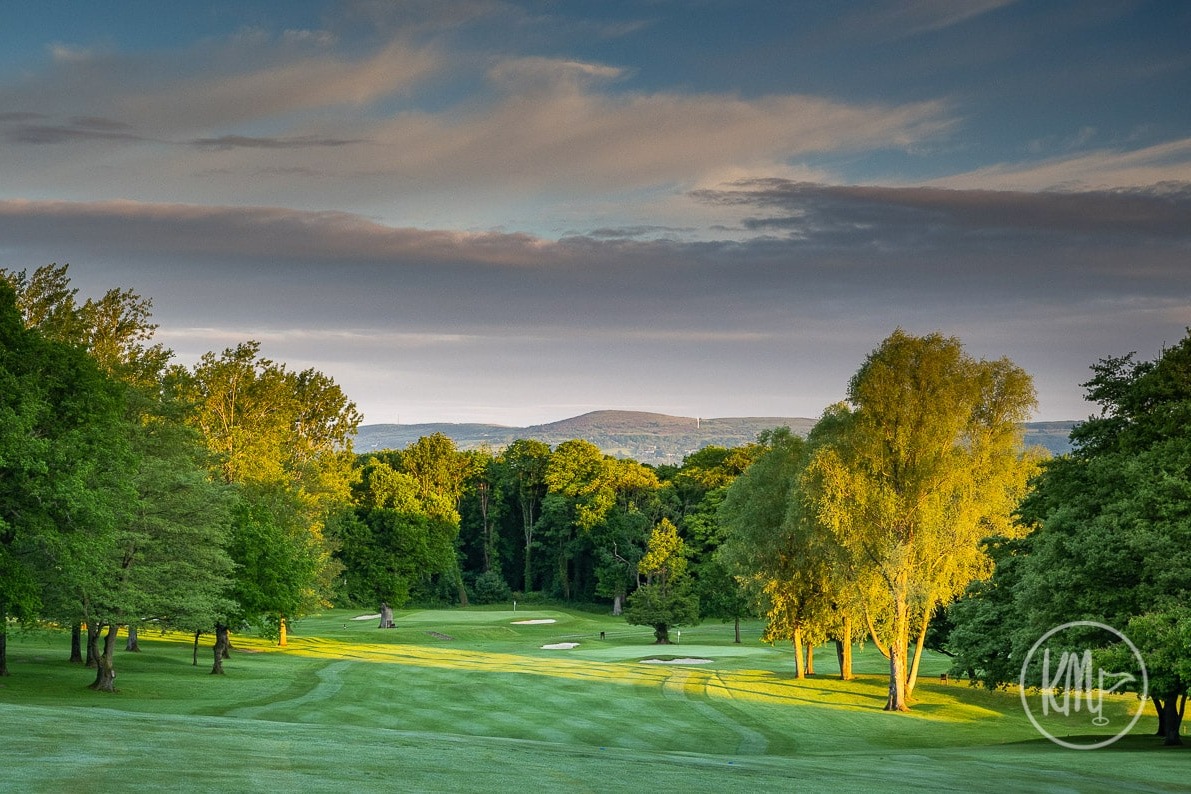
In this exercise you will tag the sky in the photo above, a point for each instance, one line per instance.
(516, 212)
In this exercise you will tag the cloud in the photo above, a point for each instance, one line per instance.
(305, 83)
(1100, 169)
(905, 18)
(521, 73)
(79, 128)
(254, 233)
(248, 142)
(247, 77)
(60, 133)
(920, 213)
(449, 321)
(562, 133)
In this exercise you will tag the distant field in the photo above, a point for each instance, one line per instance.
(468, 700)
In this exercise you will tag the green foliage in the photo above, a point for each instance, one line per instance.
(65, 464)
(491, 588)
(666, 599)
(1112, 532)
(926, 464)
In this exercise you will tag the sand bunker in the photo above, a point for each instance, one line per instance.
(533, 622)
(368, 617)
(676, 661)
(560, 646)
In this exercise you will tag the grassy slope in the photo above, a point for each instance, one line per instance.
(349, 706)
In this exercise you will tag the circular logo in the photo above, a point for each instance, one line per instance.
(1071, 683)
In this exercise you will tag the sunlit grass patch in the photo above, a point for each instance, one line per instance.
(350, 706)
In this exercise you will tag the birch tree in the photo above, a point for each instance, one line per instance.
(929, 462)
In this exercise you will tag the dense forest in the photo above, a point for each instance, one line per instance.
(136, 492)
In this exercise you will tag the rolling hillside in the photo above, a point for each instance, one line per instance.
(646, 437)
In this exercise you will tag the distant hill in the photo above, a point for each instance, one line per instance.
(645, 437)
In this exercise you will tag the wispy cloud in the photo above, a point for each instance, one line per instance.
(296, 84)
(20, 128)
(904, 18)
(1165, 162)
(250, 142)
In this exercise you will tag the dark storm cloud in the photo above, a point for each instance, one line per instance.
(389, 310)
(837, 212)
(611, 282)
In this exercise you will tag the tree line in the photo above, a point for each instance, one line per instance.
(136, 492)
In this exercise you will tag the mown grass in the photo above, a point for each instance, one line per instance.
(467, 700)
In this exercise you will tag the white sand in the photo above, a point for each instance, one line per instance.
(533, 622)
(676, 661)
(368, 617)
(560, 646)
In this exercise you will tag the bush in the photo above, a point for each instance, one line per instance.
(491, 588)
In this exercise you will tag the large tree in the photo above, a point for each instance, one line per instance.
(393, 538)
(64, 467)
(928, 463)
(283, 438)
(1111, 538)
(778, 551)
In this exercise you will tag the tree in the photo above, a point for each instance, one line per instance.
(283, 439)
(64, 460)
(524, 464)
(167, 562)
(697, 489)
(117, 329)
(1109, 535)
(392, 538)
(930, 462)
(776, 549)
(665, 600)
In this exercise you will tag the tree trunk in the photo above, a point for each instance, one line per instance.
(898, 646)
(1173, 719)
(919, 644)
(220, 648)
(810, 659)
(197, 634)
(527, 531)
(661, 634)
(3, 642)
(386, 615)
(738, 630)
(105, 670)
(281, 638)
(132, 644)
(617, 606)
(799, 666)
(92, 644)
(1161, 714)
(483, 489)
(564, 573)
(843, 651)
(76, 643)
